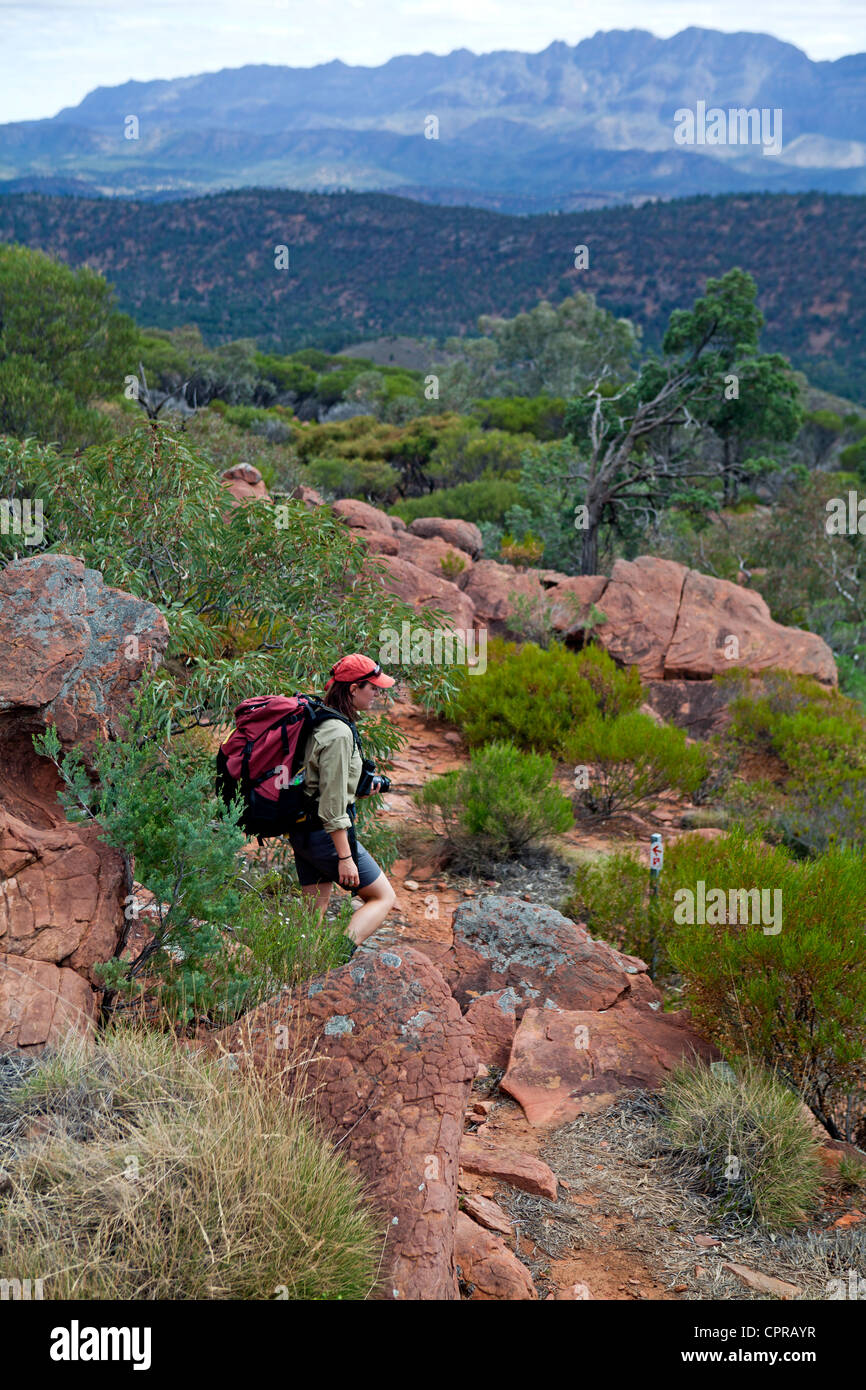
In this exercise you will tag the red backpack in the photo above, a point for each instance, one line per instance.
(263, 756)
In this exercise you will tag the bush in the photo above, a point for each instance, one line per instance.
(486, 500)
(501, 803)
(795, 998)
(523, 553)
(753, 1145)
(633, 759)
(535, 698)
(820, 737)
(452, 564)
(166, 1175)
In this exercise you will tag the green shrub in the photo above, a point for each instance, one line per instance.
(633, 759)
(501, 803)
(792, 996)
(752, 1143)
(163, 1174)
(535, 698)
(452, 564)
(484, 500)
(820, 737)
(523, 553)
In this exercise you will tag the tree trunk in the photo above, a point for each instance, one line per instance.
(589, 543)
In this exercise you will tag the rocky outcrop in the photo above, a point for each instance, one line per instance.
(464, 535)
(574, 1062)
(361, 516)
(71, 651)
(424, 590)
(493, 589)
(429, 555)
(541, 958)
(641, 603)
(245, 483)
(388, 1062)
(717, 618)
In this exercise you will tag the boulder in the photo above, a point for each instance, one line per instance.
(71, 648)
(576, 1062)
(424, 590)
(387, 1064)
(40, 1003)
(546, 961)
(245, 484)
(62, 890)
(487, 1268)
(487, 1213)
(518, 1169)
(493, 1018)
(641, 603)
(571, 601)
(493, 587)
(700, 708)
(714, 611)
(377, 542)
(429, 554)
(361, 516)
(309, 496)
(465, 535)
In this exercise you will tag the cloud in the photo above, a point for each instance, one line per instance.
(56, 51)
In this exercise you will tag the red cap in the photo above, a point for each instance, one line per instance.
(359, 668)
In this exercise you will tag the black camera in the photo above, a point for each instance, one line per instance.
(365, 781)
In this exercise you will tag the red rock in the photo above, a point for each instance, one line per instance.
(503, 943)
(761, 1283)
(377, 542)
(361, 514)
(465, 535)
(429, 554)
(309, 496)
(713, 610)
(488, 1214)
(567, 1064)
(40, 1003)
(488, 1266)
(62, 890)
(72, 648)
(701, 708)
(641, 604)
(493, 587)
(493, 1021)
(423, 590)
(511, 1166)
(245, 484)
(388, 1076)
(570, 602)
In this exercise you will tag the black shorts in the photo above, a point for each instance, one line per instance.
(316, 860)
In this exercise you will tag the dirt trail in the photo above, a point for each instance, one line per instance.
(424, 910)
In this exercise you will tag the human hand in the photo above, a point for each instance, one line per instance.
(349, 876)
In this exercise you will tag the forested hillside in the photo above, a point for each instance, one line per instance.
(367, 264)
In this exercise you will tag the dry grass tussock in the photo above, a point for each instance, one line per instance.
(143, 1170)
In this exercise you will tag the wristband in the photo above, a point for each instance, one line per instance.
(345, 856)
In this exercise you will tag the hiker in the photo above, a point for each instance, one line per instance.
(329, 852)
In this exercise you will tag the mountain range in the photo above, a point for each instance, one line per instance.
(589, 125)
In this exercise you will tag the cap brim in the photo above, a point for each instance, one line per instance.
(381, 680)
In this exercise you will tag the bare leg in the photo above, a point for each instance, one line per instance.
(378, 897)
(320, 891)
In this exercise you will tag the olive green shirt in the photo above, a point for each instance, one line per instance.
(332, 766)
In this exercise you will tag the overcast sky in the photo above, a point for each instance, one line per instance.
(53, 52)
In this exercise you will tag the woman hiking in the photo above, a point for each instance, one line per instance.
(333, 765)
